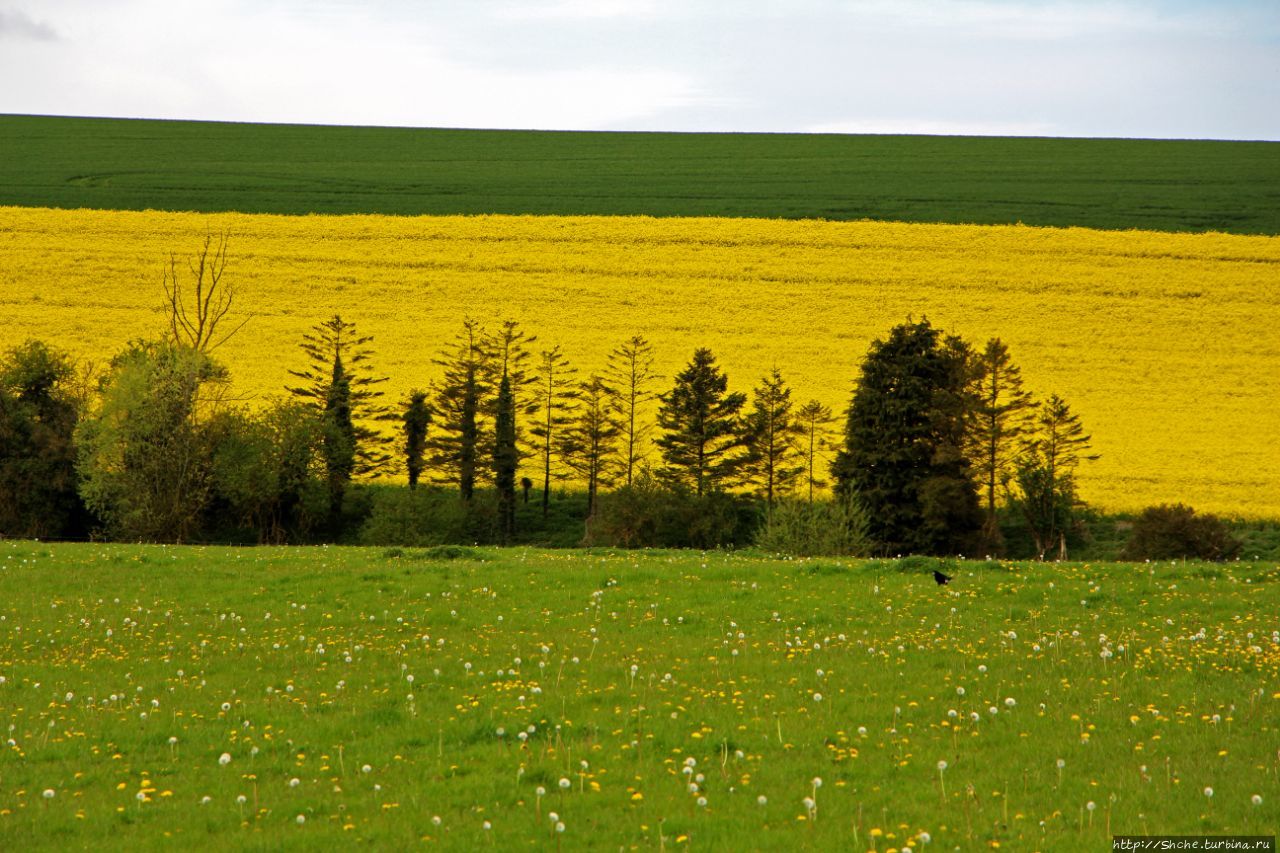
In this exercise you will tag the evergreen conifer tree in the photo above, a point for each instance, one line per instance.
(589, 443)
(417, 417)
(338, 386)
(1000, 421)
(630, 373)
(505, 459)
(903, 456)
(556, 395)
(770, 433)
(702, 437)
(461, 435)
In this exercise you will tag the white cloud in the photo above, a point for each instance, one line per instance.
(1190, 68)
(18, 24)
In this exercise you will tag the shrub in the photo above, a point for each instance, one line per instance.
(414, 518)
(835, 528)
(647, 514)
(1168, 532)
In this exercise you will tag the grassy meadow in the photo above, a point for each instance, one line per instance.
(1153, 338)
(1163, 185)
(323, 697)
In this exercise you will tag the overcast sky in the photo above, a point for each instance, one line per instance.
(1145, 68)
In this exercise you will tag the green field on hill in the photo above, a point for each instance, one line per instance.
(293, 169)
(324, 698)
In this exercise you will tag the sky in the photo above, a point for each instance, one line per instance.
(1115, 68)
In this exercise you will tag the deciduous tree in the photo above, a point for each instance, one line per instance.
(38, 416)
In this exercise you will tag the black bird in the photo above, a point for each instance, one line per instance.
(940, 578)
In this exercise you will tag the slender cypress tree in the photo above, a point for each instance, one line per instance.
(630, 373)
(339, 442)
(417, 417)
(505, 459)
(702, 437)
(461, 435)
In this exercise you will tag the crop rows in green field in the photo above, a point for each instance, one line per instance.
(293, 169)
(319, 698)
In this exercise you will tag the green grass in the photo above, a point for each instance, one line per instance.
(1099, 183)
(296, 664)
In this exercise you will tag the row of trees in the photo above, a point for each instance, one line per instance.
(939, 437)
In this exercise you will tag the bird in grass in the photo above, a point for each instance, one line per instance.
(940, 579)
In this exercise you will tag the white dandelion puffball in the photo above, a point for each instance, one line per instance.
(301, 819)
(1061, 763)
(1256, 799)
(224, 759)
(48, 793)
(1010, 702)
(564, 784)
(942, 765)
(764, 801)
(1208, 792)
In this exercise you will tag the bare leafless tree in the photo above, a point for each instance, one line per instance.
(197, 308)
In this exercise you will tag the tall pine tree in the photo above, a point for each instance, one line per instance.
(1045, 474)
(589, 442)
(814, 420)
(462, 436)
(1001, 419)
(770, 433)
(702, 439)
(338, 385)
(556, 399)
(630, 373)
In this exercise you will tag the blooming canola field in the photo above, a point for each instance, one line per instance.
(1165, 344)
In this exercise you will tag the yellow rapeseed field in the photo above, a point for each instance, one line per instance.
(1166, 344)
